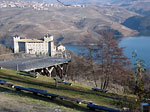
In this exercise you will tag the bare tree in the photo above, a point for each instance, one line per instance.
(92, 62)
(112, 61)
(106, 61)
(91, 57)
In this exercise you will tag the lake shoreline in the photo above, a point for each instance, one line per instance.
(141, 44)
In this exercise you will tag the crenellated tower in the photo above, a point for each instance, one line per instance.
(49, 40)
(16, 39)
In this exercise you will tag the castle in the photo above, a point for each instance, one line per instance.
(44, 46)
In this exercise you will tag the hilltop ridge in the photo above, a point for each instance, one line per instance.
(70, 24)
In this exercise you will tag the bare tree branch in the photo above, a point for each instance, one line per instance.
(63, 3)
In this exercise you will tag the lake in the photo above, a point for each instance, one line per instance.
(140, 44)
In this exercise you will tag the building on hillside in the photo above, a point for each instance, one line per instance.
(61, 48)
(44, 46)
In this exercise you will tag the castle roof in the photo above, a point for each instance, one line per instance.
(30, 40)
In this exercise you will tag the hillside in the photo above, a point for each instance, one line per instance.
(20, 101)
(141, 7)
(98, 2)
(11, 102)
(139, 23)
(71, 25)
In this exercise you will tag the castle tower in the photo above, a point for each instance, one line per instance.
(16, 39)
(49, 40)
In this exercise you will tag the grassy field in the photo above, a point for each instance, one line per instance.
(46, 83)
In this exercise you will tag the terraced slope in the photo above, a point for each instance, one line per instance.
(25, 101)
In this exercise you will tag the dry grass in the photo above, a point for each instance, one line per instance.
(31, 101)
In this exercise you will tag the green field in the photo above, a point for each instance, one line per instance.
(46, 83)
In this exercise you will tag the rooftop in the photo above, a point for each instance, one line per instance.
(32, 63)
(30, 40)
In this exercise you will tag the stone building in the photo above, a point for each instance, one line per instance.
(60, 48)
(44, 46)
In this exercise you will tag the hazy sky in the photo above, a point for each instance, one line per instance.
(85, 1)
(68, 1)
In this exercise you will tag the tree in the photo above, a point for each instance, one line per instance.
(89, 54)
(112, 61)
(106, 61)
(139, 70)
(91, 61)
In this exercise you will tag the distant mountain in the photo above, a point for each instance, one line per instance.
(69, 24)
(93, 1)
(73, 24)
(83, 1)
(108, 2)
(139, 23)
(96, 2)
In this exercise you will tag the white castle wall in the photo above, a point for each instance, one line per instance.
(38, 47)
(16, 45)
